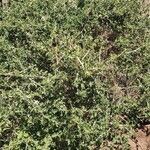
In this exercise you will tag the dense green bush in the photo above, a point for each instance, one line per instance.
(73, 74)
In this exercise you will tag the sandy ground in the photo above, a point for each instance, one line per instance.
(142, 139)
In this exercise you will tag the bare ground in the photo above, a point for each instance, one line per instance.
(141, 141)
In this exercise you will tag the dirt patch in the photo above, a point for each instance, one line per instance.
(141, 141)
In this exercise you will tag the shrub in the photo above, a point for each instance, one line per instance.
(73, 73)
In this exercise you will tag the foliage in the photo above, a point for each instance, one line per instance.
(73, 74)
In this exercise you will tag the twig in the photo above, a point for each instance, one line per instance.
(85, 55)
(80, 62)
